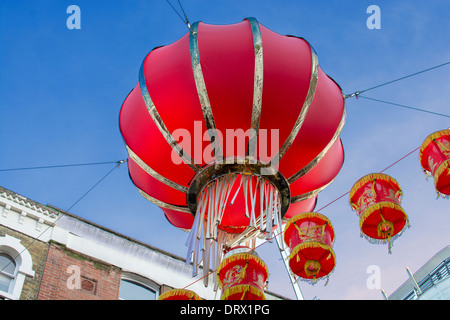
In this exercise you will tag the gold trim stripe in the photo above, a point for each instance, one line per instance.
(153, 173)
(160, 124)
(320, 156)
(162, 204)
(310, 194)
(257, 85)
(371, 178)
(203, 93)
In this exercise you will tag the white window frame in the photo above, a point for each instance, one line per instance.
(24, 265)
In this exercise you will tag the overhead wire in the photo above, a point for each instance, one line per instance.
(63, 166)
(404, 106)
(185, 19)
(118, 163)
(357, 93)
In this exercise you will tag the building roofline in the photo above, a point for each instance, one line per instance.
(420, 274)
(58, 213)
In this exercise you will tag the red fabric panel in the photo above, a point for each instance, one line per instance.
(296, 208)
(153, 187)
(322, 120)
(227, 59)
(287, 73)
(182, 220)
(142, 135)
(323, 173)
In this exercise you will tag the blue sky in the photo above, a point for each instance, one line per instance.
(61, 91)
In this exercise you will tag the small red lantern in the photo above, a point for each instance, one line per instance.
(434, 157)
(243, 276)
(179, 294)
(310, 237)
(376, 198)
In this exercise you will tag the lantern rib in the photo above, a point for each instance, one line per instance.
(305, 196)
(144, 166)
(304, 110)
(319, 157)
(156, 117)
(162, 204)
(203, 93)
(257, 86)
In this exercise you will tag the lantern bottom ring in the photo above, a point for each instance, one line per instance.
(312, 260)
(383, 220)
(243, 292)
(238, 166)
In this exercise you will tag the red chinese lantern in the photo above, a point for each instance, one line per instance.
(179, 294)
(434, 157)
(376, 198)
(243, 276)
(310, 237)
(225, 133)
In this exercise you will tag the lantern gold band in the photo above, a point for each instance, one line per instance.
(162, 204)
(188, 294)
(242, 257)
(320, 156)
(144, 166)
(310, 194)
(202, 92)
(307, 215)
(371, 177)
(159, 123)
(243, 289)
(257, 85)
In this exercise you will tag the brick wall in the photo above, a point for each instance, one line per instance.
(69, 275)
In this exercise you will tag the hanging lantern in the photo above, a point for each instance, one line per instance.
(179, 294)
(434, 156)
(225, 133)
(310, 237)
(376, 198)
(243, 276)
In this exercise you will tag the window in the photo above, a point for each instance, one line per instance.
(135, 287)
(7, 272)
(15, 265)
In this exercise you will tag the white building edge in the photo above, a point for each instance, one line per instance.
(139, 261)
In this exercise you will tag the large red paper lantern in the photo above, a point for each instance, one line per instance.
(243, 276)
(310, 237)
(226, 133)
(434, 156)
(179, 294)
(377, 200)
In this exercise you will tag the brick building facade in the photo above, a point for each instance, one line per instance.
(49, 254)
(69, 275)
